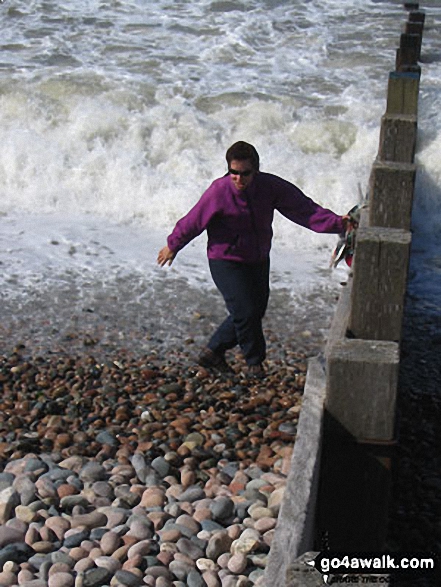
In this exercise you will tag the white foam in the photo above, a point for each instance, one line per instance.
(37, 251)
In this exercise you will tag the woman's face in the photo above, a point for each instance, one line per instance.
(242, 173)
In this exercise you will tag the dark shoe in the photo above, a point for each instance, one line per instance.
(211, 360)
(256, 371)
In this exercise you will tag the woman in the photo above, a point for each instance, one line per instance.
(237, 212)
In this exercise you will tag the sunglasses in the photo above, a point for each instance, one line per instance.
(246, 173)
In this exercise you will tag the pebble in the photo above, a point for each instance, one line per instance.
(9, 535)
(192, 494)
(222, 508)
(218, 544)
(7, 578)
(61, 580)
(96, 577)
(110, 541)
(211, 579)
(128, 578)
(190, 548)
(112, 498)
(247, 542)
(237, 563)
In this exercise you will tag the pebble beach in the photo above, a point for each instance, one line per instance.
(124, 463)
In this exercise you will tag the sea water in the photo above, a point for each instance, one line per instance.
(115, 116)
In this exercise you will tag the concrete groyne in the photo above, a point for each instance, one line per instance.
(339, 484)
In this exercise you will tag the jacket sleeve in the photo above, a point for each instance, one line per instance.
(299, 208)
(194, 222)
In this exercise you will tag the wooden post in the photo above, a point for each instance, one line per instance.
(411, 5)
(379, 283)
(362, 383)
(414, 28)
(414, 31)
(391, 189)
(408, 53)
(417, 16)
(359, 435)
(402, 94)
(398, 136)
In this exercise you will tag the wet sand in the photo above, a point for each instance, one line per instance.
(104, 317)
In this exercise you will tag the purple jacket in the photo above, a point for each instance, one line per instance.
(239, 223)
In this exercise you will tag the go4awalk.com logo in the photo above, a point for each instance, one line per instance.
(375, 568)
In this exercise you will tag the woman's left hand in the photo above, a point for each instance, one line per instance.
(348, 222)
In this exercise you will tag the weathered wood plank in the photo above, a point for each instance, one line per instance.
(402, 93)
(398, 137)
(362, 378)
(391, 190)
(379, 283)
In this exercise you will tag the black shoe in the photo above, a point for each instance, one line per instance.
(256, 371)
(211, 360)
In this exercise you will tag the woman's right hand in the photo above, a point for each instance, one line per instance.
(165, 256)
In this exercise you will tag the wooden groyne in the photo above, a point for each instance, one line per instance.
(338, 488)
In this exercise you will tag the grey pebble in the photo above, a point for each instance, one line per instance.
(17, 553)
(92, 472)
(57, 474)
(62, 557)
(70, 501)
(129, 579)
(106, 437)
(174, 509)
(75, 539)
(27, 496)
(36, 466)
(184, 530)
(193, 493)
(231, 469)
(26, 488)
(256, 574)
(163, 582)
(211, 526)
(37, 560)
(141, 529)
(199, 542)
(6, 480)
(75, 481)
(288, 428)
(222, 508)
(97, 577)
(194, 579)
(103, 489)
(44, 569)
(189, 548)
(125, 496)
(36, 505)
(152, 479)
(180, 569)
(161, 466)
(140, 466)
(254, 472)
(242, 508)
(97, 533)
(159, 571)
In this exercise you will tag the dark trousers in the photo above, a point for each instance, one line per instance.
(245, 289)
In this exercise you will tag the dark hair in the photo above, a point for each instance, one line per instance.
(242, 151)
